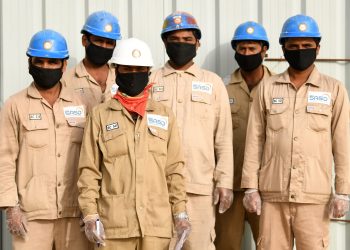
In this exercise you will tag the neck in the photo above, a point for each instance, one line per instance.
(183, 67)
(91, 66)
(52, 94)
(299, 77)
(252, 78)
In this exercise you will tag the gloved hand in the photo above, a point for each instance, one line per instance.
(183, 229)
(94, 230)
(339, 205)
(225, 196)
(16, 221)
(252, 201)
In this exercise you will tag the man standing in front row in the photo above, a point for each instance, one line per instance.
(93, 78)
(250, 43)
(200, 102)
(41, 130)
(298, 124)
(131, 181)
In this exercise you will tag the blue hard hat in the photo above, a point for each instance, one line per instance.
(300, 26)
(180, 20)
(103, 24)
(48, 44)
(249, 31)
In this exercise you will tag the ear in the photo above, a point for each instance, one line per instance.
(198, 44)
(263, 51)
(64, 66)
(84, 41)
(29, 61)
(318, 49)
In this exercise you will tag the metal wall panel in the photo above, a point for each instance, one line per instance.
(19, 20)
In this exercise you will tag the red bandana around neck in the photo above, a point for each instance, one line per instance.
(134, 104)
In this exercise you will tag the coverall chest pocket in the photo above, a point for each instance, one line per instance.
(234, 114)
(37, 133)
(277, 117)
(318, 117)
(157, 141)
(160, 94)
(201, 105)
(115, 143)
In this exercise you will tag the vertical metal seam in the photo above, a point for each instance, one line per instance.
(130, 15)
(43, 14)
(303, 7)
(1, 71)
(86, 9)
(260, 12)
(173, 6)
(217, 37)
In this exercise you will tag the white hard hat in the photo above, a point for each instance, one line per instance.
(132, 51)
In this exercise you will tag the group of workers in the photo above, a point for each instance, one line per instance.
(112, 155)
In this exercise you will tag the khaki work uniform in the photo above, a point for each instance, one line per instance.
(200, 103)
(230, 225)
(293, 136)
(85, 85)
(39, 152)
(131, 172)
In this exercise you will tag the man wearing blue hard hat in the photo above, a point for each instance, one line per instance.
(250, 43)
(93, 78)
(199, 100)
(298, 128)
(41, 129)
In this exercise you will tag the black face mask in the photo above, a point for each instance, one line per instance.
(248, 62)
(181, 53)
(300, 59)
(98, 55)
(45, 78)
(132, 84)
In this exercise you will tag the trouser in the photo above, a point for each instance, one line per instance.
(201, 212)
(282, 222)
(136, 243)
(59, 234)
(229, 226)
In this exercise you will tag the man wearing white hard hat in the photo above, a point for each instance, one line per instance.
(130, 170)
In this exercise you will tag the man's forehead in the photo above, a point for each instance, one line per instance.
(248, 43)
(300, 40)
(181, 33)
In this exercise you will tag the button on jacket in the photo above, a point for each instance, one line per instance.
(200, 103)
(39, 153)
(293, 136)
(240, 99)
(131, 171)
(84, 84)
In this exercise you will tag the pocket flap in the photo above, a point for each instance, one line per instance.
(32, 125)
(201, 97)
(162, 134)
(318, 109)
(107, 136)
(277, 109)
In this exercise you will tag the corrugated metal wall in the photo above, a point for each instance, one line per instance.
(20, 19)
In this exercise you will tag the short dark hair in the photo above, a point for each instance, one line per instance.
(316, 39)
(194, 31)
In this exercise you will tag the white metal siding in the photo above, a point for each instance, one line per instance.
(20, 19)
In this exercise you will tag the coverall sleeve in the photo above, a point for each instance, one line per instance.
(341, 141)
(9, 150)
(255, 141)
(175, 168)
(223, 175)
(89, 168)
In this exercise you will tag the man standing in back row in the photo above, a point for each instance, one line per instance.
(93, 77)
(200, 103)
(250, 43)
(298, 126)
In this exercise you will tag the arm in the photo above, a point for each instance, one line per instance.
(89, 168)
(255, 141)
(9, 150)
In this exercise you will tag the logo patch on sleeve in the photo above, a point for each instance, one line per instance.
(158, 121)
(74, 111)
(36, 116)
(277, 100)
(158, 89)
(319, 97)
(205, 87)
(112, 126)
